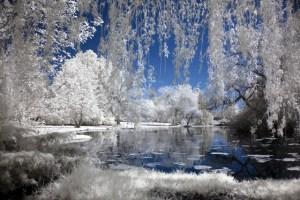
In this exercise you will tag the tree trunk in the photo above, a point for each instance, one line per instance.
(188, 121)
(79, 122)
(118, 120)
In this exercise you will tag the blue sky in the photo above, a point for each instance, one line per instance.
(165, 72)
(164, 68)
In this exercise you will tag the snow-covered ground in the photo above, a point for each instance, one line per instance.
(71, 134)
(87, 182)
(154, 124)
(42, 130)
(144, 125)
(69, 129)
(77, 134)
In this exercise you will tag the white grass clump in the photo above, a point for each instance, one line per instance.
(88, 182)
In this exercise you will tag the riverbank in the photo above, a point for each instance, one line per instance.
(42, 130)
(88, 182)
(49, 129)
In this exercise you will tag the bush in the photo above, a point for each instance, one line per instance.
(23, 172)
(11, 135)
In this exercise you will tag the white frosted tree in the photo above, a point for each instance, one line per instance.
(280, 52)
(255, 43)
(35, 35)
(176, 104)
(104, 87)
(75, 88)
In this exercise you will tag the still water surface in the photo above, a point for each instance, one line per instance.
(198, 150)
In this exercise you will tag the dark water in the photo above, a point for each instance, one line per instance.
(199, 150)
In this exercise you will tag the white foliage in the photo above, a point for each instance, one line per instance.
(254, 50)
(253, 40)
(75, 88)
(86, 32)
(34, 33)
(90, 183)
(175, 104)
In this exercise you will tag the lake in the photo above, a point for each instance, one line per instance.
(197, 150)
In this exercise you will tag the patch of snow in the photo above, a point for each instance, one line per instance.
(202, 167)
(263, 160)
(202, 126)
(154, 124)
(294, 144)
(179, 163)
(289, 159)
(147, 157)
(133, 154)
(265, 139)
(260, 158)
(42, 130)
(296, 168)
(157, 153)
(224, 170)
(220, 153)
(195, 157)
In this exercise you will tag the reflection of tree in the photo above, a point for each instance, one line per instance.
(168, 146)
(207, 136)
(102, 142)
(235, 154)
(165, 140)
(244, 166)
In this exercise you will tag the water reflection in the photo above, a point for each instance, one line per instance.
(198, 150)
